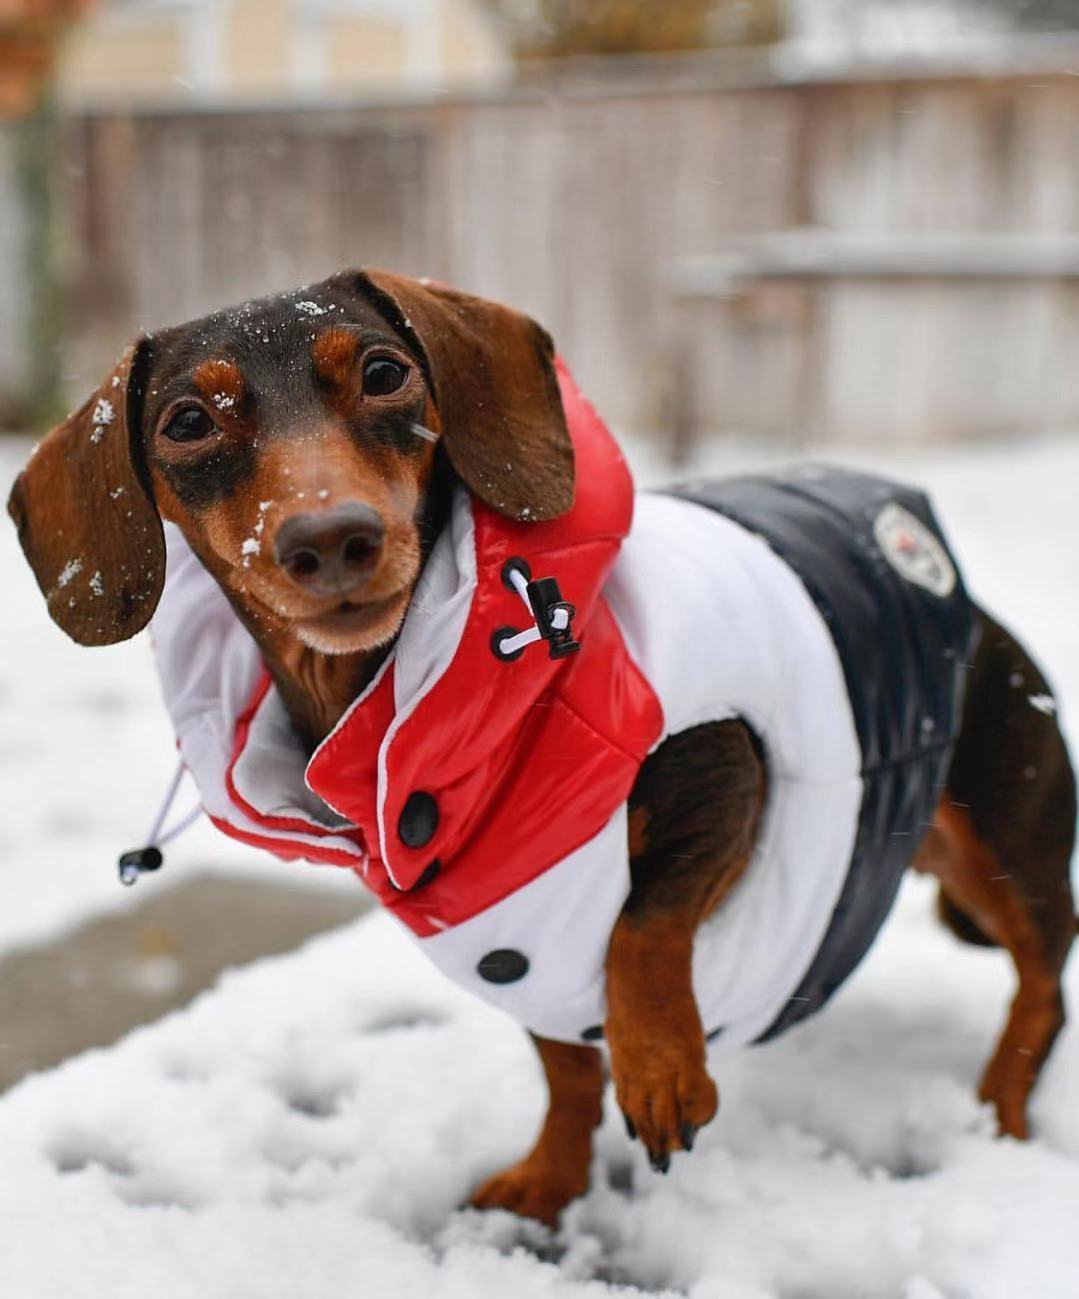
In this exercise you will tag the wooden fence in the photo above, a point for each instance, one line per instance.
(575, 200)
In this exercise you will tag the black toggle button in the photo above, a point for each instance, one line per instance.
(419, 819)
(503, 966)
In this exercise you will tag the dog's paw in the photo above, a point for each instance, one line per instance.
(666, 1097)
(530, 1191)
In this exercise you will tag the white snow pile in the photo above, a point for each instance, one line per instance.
(311, 1127)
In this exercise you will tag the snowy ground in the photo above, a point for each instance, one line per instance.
(310, 1126)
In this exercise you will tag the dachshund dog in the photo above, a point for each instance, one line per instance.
(308, 447)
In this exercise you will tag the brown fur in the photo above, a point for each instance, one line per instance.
(334, 357)
(556, 1169)
(492, 378)
(703, 791)
(1001, 846)
(220, 382)
(300, 437)
(83, 508)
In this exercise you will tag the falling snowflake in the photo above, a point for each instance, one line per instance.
(309, 308)
(96, 584)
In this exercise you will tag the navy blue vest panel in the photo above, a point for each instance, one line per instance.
(905, 651)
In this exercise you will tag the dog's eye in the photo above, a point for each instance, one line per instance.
(191, 424)
(381, 376)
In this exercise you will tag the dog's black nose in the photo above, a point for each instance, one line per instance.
(333, 552)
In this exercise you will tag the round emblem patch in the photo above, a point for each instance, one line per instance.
(913, 551)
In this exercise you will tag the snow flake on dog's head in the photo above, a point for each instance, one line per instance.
(102, 417)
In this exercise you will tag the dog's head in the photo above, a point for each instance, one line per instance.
(294, 441)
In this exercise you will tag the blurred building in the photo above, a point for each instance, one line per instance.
(553, 29)
(882, 29)
(29, 33)
(172, 51)
(885, 27)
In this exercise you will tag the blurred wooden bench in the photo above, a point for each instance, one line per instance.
(824, 258)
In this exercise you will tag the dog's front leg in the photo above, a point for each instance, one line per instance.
(656, 1039)
(694, 814)
(557, 1168)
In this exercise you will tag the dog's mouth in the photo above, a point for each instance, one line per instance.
(353, 624)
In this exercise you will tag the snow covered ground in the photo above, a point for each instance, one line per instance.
(310, 1126)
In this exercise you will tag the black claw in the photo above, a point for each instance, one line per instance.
(660, 1163)
(631, 1128)
(688, 1133)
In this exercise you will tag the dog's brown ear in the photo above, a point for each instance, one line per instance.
(86, 520)
(493, 376)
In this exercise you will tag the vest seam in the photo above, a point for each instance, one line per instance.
(928, 750)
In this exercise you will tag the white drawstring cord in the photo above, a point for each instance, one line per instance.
(133, 864)
(514, 644)
(163, 810)
(184, 823)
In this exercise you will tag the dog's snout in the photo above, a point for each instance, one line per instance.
(333, 552)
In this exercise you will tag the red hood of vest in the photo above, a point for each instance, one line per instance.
(523, 761)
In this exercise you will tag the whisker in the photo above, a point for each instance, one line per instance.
(421, 431)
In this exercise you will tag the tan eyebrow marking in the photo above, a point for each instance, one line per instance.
(221, 383)
(334, 355)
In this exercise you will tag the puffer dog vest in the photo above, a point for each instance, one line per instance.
(483, 798)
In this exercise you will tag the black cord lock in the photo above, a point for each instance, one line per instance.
(553, 615)
(138, 862)
(546, 601)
